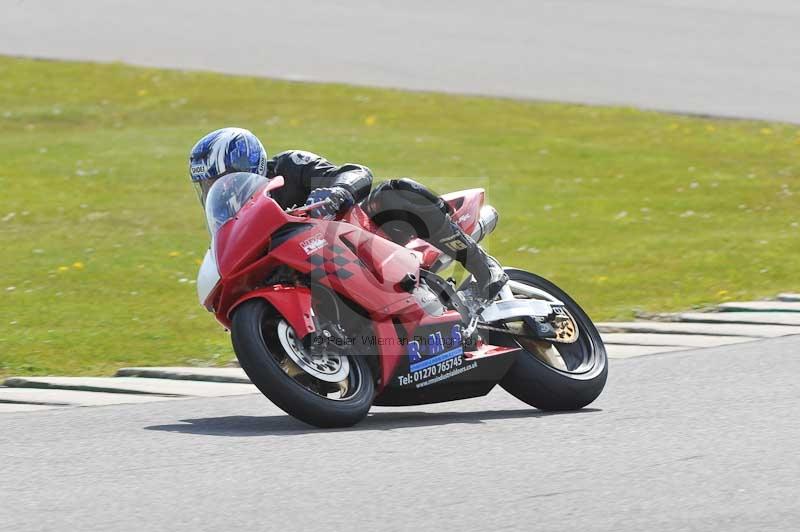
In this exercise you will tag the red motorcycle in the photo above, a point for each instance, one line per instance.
(328, 318)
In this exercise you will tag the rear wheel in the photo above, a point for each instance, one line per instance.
(321, 389)
(552, 375)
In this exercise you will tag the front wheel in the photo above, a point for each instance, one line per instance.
(551, 375)
(325, 391)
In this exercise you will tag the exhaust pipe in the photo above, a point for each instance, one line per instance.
(487, 221)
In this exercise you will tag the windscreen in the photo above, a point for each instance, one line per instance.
(227, 196)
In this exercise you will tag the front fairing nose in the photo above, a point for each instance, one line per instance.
(245, 238)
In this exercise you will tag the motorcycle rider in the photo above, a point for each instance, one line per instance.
(403, 208)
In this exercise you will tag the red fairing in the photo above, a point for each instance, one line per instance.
(428, 253)
(466, 205)
(351, 256)
(390, 349)
(354, 262)
(291, 302)
(358, 217)
(244, 238)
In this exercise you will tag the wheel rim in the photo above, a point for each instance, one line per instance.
(328, 375)
(328, 367)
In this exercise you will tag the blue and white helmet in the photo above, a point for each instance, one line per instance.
(224, 151)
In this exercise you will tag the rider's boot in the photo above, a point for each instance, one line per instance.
(489, 275)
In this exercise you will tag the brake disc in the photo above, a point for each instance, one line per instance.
(566, 329)
(325, 366)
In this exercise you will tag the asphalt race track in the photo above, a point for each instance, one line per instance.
(698, 440)
(692, 440)
(723, 57)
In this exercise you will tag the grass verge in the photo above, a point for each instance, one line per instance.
(101, 232)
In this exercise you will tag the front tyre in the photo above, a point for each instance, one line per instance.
(555, 376)
(303, 386)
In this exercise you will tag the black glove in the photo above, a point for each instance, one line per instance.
(334, 200)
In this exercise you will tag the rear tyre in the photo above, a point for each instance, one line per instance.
(568, 378)
(262, 344)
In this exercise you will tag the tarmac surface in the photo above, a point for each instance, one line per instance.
(693, 440)
(719, 57)
(689, 440)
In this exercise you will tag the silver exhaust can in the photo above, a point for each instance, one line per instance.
(487, 221)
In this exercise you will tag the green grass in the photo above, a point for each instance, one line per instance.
(100, 229)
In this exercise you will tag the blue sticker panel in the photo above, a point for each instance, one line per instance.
(439, 358)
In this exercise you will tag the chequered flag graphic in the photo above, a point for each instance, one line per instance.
(332, 262)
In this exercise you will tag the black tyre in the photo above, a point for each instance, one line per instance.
(272, 357)
(580, 374)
